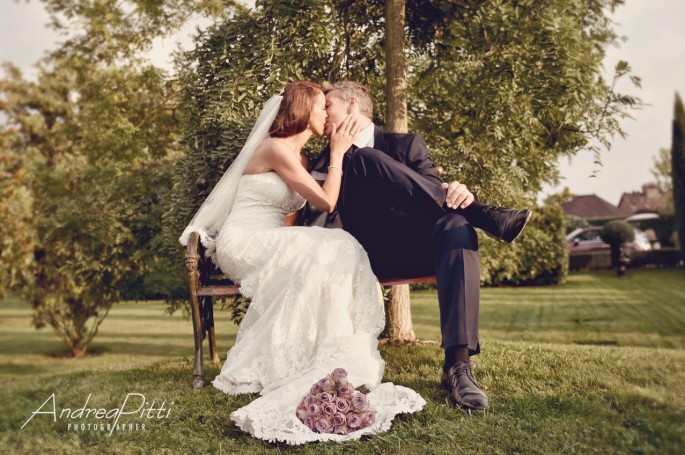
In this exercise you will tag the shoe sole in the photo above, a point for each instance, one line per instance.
(525, 223)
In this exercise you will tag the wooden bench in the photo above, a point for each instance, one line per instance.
(205, 282)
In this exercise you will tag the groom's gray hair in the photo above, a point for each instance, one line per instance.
(350, 89)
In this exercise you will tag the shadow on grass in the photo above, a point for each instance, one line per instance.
(48, 345)
(153, 314)
(7, 316)
(21, 369)
(179, 339)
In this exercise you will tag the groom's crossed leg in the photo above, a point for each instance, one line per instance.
(395, 214)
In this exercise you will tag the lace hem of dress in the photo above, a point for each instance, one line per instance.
(273, 423)
(236, 389)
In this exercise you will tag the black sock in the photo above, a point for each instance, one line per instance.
(456, 354)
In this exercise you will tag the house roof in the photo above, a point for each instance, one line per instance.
(591, 206)
(650, 199)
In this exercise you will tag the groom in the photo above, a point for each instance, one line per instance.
(412, 224)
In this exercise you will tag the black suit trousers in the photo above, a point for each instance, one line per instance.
(397, 216)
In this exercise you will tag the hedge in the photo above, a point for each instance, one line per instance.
(538, 257)
(664, 257)
(590, 261)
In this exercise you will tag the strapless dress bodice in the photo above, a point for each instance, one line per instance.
(262, 202)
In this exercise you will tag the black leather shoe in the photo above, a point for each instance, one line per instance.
(499, 223)
(512, 222)
(459, 382)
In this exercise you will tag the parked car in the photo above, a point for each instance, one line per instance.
(647, 235)
(643, 241)
(587, 239)
(641, 217)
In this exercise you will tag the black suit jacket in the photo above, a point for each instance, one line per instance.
(409, 149)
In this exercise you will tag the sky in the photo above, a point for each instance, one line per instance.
(654, 49)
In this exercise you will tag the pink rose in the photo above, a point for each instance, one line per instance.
(309, 400)
(368, 418)
(302, 414)
(316, 389)
(342, 404)
(309, 423)
(359, 403)
(329, 408)
(325, 397)
(338, 374)
(343, 430)
(354, 421)
(339, 419)
(324, 425)
(314, 410)
(326, 384)
(346, 391)
(334, 406)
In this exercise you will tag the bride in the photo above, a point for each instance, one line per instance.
(315, 302)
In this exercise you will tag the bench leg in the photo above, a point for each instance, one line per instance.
(209, 327)
(198, 381)
(191, 263)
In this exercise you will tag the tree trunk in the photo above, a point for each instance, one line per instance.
(78, 351)
(399, 327)
(620, 258)
(398, 323)
(678, 170)
(395, 66)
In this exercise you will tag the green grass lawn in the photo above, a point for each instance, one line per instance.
(596, 365)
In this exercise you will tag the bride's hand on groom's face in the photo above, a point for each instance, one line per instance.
(342, 136)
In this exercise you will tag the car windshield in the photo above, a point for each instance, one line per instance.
(589, 235)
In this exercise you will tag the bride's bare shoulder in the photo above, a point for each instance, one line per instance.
(272, 145)
(274, 149)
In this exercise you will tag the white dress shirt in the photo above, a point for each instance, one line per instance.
(364, 138)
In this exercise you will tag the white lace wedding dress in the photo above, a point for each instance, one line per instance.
(316, 306)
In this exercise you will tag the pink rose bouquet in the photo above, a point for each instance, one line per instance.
(333, 405)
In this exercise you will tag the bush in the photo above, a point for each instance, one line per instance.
(538, 257)
(573, 223)
(590, 261)
(665, 257)
(602, 220)
(162, 279)
(617, 233)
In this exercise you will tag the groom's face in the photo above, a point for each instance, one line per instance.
(337, 110)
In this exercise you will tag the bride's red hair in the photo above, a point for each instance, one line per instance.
(296, 107)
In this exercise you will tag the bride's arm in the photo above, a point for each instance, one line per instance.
(292, 218)
(325, 197)
(288, 167)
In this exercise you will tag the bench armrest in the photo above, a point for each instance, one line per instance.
(193, 244)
